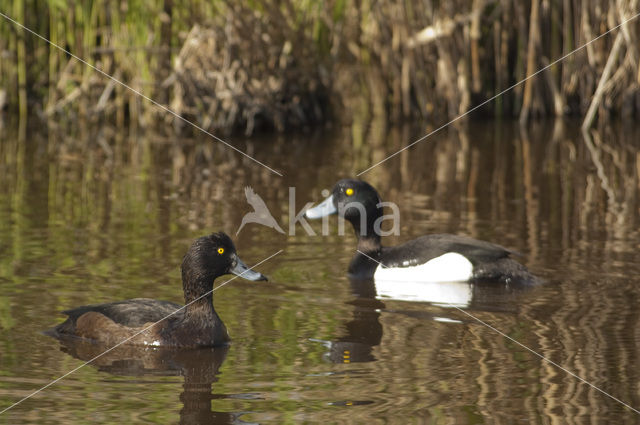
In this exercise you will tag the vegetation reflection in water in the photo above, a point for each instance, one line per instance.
(96, 215)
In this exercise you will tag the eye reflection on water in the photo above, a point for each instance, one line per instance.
(91, 216)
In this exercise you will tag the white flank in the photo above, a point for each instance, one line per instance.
(447, 320)
(450, 267)
(439, 281)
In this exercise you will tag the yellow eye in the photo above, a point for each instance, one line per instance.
(349, 192)
(220, 250)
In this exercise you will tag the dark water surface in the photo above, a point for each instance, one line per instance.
(97, 215)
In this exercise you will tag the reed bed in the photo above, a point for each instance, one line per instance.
(283, 64)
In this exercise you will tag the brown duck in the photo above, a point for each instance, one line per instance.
(169, 324)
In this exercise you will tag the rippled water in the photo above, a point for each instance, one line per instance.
(97, 215)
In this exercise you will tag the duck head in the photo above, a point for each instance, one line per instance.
(357, 202)
(209, 257)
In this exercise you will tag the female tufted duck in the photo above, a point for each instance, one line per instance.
(431, 258)
(195, 324)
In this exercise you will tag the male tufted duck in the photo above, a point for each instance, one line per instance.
(430, 258)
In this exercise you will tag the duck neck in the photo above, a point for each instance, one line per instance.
(369, 243)
(368, 238)
(203, 307)
(197, 304)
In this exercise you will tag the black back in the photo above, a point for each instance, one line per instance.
(425, 248)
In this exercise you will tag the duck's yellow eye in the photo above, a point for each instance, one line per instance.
(349, 192)
(220, 250)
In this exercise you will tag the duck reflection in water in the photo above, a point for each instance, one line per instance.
(198, 366)
(363, 331)
(371, 299)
